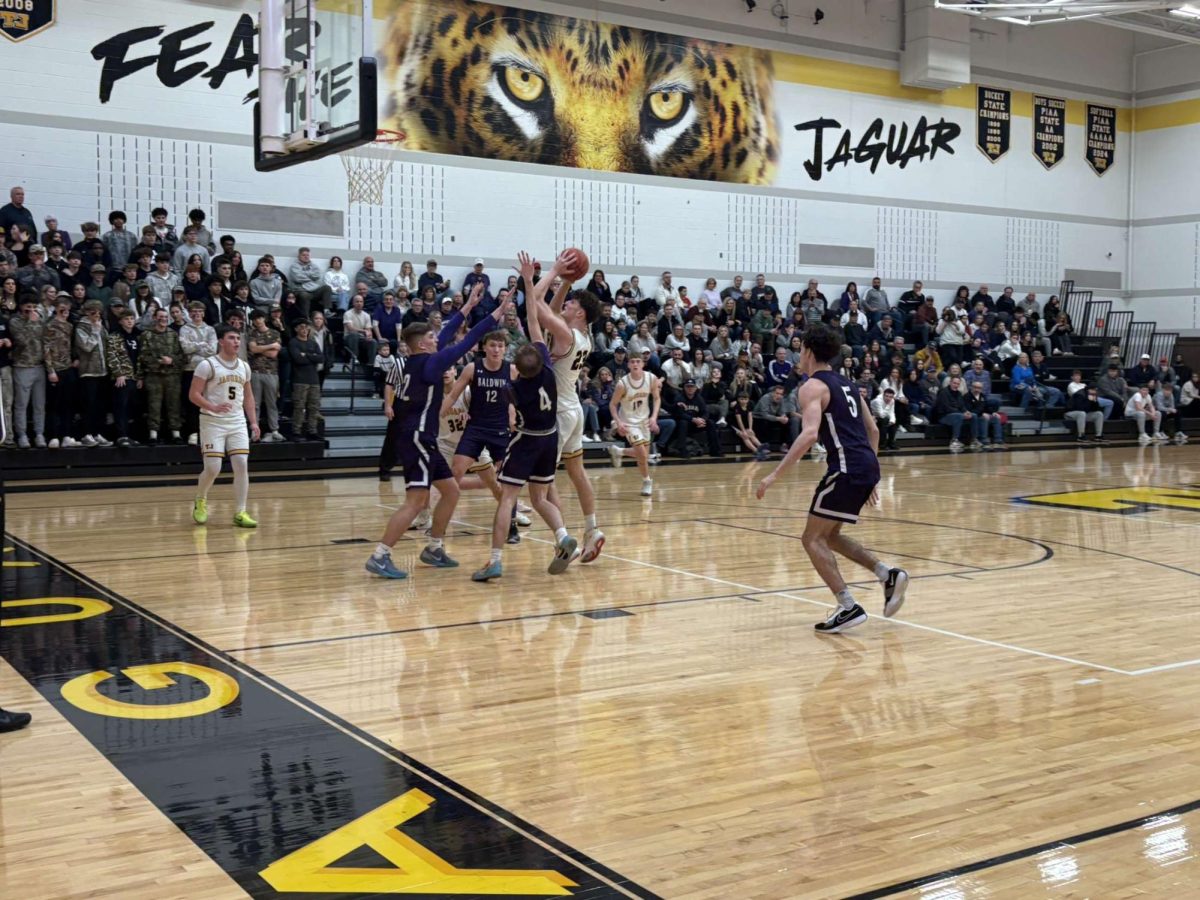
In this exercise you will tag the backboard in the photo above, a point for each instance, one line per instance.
(318, 83)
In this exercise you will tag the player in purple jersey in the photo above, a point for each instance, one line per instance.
(415, 395)
(833, 415)
(532, 456)
(484, 442)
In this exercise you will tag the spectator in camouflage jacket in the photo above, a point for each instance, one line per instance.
(160, 362)
(122, 352)
(29, 372)
(63, 374)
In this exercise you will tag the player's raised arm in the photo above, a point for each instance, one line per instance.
(560, 296)
(549, 320)
(451, 325)
(439, 362)
(460, 385)
(814, 397)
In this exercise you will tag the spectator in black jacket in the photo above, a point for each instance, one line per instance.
(305, 357)
(1085, 407)
(1143, 373)
(692, 419)
(950, 409)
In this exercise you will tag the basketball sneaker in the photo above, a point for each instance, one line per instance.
(423, 520)
(488, 572)
(593, 543)
(615, 455)
(841, 619)
(436, 557)
(200, 511)
(521, 519)
(564, 552)
(893, 591)
(243, 520)
(647, 487)
(384, 567)
(514, 536)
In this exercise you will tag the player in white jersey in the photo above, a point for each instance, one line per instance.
(221, 388)
(568, 323)
(634, 405)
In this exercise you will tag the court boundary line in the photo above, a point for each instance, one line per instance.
(510, 820)
(1024, 853)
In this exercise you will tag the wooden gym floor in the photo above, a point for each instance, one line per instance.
(663, 723)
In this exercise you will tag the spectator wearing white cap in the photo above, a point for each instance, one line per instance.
(475, 276)
(1143, 373)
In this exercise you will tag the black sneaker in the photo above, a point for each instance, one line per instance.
(893, 591)
(841, 619)
(1082, 440)
(514, 536)
(13, 721)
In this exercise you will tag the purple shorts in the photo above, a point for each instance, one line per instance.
(475, 440)
(840, 500)
(531, 457)
(422, 462)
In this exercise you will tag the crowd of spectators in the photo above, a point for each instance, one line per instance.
(98, 335)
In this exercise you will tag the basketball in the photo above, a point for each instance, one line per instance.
(578, 262)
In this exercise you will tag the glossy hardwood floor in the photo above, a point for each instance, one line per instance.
(1026, 727)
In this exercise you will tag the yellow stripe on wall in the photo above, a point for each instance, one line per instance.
(1168, 115)
(860, 79)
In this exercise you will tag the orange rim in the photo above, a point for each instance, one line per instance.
(389, 136)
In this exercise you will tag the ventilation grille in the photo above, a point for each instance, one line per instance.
(599, 216)
(906, 243)
(1032, 252)
(136, 174)
(762, 233)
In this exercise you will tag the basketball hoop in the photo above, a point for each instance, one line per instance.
(368, 166)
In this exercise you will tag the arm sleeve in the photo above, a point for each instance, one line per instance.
(449, 328)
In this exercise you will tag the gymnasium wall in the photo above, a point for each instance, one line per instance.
(174, 128)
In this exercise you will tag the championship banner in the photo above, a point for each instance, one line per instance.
(993, 121)
(1101, 137)
(20, 19)
(1049, 130)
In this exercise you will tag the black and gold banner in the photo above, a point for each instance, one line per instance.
(1101, 137)
(1049, 130)
(993, 121)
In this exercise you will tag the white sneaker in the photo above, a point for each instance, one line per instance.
(655, 458)
(1180, 437)
(917, 420)
(423, 520)
(523, 520)
(1161, 436)
(593, 542)
(721, 421)
(615, 455)
(956, 447)
(70, 442)
(154, 437)
(193, 439)
(88, 441)
(900, 429)
(102, 441)
(976, 446)
(53, 445)
(647, 488)
(1143, 439)
(524, 507)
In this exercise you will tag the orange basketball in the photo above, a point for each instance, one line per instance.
(578, 262)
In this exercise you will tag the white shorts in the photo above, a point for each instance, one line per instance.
(570, 431)
(448, 450)
(223, 437)
(637, 433)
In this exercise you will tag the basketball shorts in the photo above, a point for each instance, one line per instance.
(221, 437)
(637, 433)
(450, 448)
(840, 500)
(484, 446)
(531, 457)
(570, 431)
(422, 462)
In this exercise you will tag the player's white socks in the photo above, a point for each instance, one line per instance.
(589, 522)
(845, 599)
(434, 544)
(208, 475)
(241, 480)
(496, 554)
(560, 533)
(381, 550)
(881, 571)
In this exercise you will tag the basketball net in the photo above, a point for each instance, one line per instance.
(369, 165)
